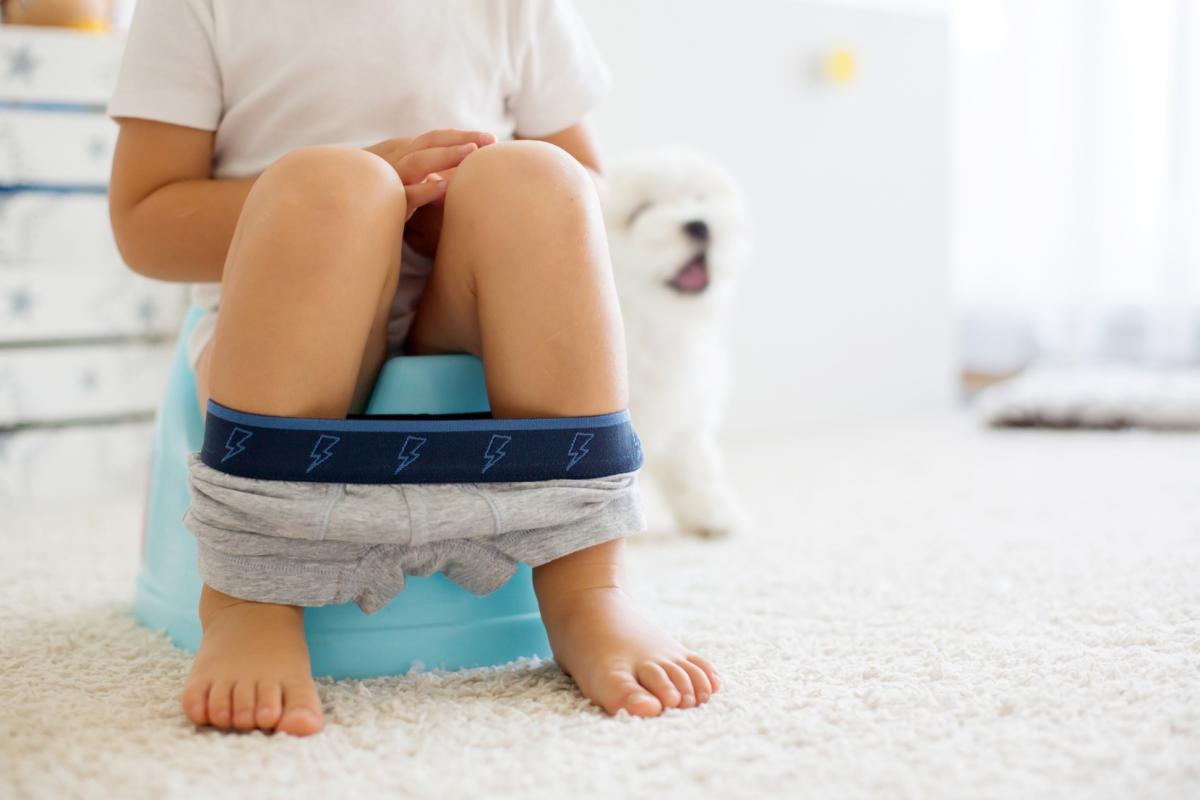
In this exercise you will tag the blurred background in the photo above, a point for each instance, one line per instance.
(942, 193)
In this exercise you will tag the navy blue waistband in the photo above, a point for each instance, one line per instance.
(418, 449)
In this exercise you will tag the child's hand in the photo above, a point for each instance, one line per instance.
(419, 161)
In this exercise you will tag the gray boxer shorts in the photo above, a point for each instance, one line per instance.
(312, 544)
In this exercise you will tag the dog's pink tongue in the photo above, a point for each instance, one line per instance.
(693, 277)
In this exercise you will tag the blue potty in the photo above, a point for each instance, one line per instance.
(432, 623)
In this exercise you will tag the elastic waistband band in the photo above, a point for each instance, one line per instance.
(418, 449)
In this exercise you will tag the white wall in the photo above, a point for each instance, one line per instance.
(845, 313)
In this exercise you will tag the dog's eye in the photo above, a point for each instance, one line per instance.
(637, 212)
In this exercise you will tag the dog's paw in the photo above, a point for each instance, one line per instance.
(713, 515)
(714, 531)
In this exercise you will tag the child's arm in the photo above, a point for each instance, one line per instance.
(171, 220)
(579, 141)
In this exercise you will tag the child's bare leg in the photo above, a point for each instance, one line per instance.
(523, 279)
(306, 288)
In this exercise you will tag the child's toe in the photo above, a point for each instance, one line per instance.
(301, 710)
(654, 678)
(643, 704)
(620, 691)
(699, 680)
(269, 705)
(220, 699)
(195, 700)
(710, 671)
(243, 704)
(682, 681)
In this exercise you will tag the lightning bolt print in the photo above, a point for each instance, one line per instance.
(410, 451)
(236, 442)
(578, 448)
(322, 450)
(495, 451)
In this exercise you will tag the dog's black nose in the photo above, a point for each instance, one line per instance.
(696, 229)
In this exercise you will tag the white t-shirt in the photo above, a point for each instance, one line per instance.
(270, 76)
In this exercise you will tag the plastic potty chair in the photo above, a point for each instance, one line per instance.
(432, 623)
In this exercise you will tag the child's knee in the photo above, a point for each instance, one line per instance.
(521, 174)
(325, 214)
(339, 190)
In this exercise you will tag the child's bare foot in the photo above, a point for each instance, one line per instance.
(619, 659)
(252, 669)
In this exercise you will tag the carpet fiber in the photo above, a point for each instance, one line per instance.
(929, 610)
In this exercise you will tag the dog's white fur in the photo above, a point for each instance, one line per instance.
(679, 362)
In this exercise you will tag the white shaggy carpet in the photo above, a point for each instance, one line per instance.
(923, 611)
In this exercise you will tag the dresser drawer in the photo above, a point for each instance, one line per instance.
(49, 66)
(74, 463)
(47, 302)
(55, 148)
(41, 385)
(55, 228)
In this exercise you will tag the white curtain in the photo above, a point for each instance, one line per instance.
(1076, 197)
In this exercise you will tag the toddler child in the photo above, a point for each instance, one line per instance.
(341, 181)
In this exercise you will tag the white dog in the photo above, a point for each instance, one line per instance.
(677, 232)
